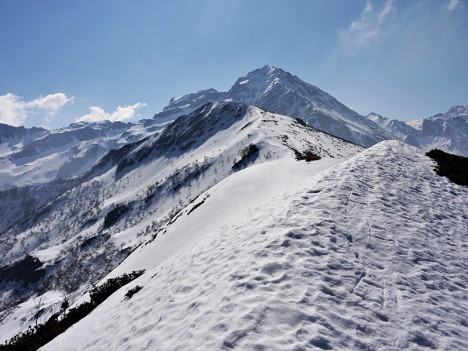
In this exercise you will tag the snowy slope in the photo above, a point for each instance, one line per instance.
(446, 131)
(134, 194)
(276, 90)
(182, 105)
(369, 254)
(13, 138)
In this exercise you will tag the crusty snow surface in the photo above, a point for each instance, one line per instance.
(370, 254)
(69, 237)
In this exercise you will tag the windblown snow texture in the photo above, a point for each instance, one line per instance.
(82, 231)
(367, 255)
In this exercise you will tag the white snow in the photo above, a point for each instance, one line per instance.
(416, 124)
(78, 215)
(245, 190)
(23, 316)
(369, 254)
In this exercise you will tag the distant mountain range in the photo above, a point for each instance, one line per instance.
(446, 131)
(36, 155)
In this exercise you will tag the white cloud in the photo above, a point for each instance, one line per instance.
(453, 4)
(368, 27)
(121, 113)
(50, 103)
(14, 110)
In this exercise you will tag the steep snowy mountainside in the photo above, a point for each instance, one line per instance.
(276, 90)
(179, 106)
(135, 192)
(218, 118)
(13, 138)
(446, 131)
(64, 153)
(280, 92)
(370, 254)
(397, 128)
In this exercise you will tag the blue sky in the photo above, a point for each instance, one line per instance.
(123, 60)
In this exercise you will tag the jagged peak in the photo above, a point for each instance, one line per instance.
(267, 71)
(193, 95)
(457, 110)
(377, 118)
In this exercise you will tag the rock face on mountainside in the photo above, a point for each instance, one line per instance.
(11, 136)
(353, 257)
(446, 131)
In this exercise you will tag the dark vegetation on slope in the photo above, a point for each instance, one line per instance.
(132, 292)
(25, 271)
(307, 156)
(113, 216)
(197, 205)
(36, 337)
(30, 201)
(248, 155)
(451, 166)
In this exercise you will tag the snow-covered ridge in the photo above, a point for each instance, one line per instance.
(135, 192)
(348, 258)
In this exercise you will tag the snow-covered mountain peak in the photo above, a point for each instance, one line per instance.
(34, 156)
(376, 117)
(182, 105)
(249, 89)
(276, 90)
(98, 125)
(455, 112)
(184, 100)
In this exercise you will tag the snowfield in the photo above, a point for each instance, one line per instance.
(152, 180)
(370, 254)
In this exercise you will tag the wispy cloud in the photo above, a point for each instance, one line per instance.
(453, 4)
(121, 113)
(14, 110)
(367, 27)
